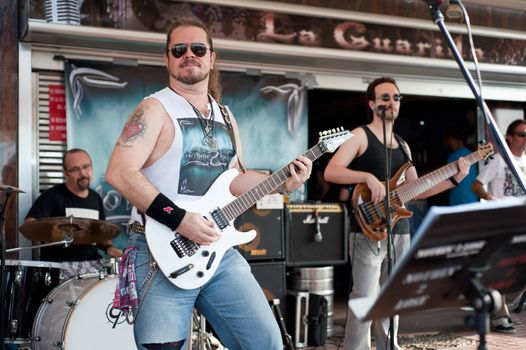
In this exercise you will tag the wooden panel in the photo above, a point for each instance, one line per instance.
(9, 112)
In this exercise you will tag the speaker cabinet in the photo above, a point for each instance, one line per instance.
(268, 244)
(316, 234)
(271, 278)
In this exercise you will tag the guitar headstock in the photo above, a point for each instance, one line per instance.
(330, 140)
(485, 150)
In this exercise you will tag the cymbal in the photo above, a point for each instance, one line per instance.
(14, 189)
(83, 231)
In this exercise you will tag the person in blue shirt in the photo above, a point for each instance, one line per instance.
(454, 141)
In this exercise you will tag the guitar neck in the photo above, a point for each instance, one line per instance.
(239, 205)
(408, 191)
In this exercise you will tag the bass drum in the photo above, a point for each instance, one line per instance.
(78, 315)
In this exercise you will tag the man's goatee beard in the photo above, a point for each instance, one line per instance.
(191, 80)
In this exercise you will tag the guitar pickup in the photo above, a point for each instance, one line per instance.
(219, 218)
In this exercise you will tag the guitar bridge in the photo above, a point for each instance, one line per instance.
(183, 246)
(372, 212)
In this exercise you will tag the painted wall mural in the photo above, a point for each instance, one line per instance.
(271, 112)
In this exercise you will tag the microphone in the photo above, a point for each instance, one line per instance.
(454, 10)
(452, 7)
(317, 236)
(380, 108)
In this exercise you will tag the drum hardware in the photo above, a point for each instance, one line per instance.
(101, 275)
(66, 242)
(72, 303)
(47, 279)
(9, 190)
(18, 276)
(202, 339)
(14, 326)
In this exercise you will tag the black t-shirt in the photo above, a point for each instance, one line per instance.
(59, 201)
(373, 161)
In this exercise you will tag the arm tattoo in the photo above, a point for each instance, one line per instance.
(134, 128)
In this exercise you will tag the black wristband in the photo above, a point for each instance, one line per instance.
(165, 211)
(453, 181)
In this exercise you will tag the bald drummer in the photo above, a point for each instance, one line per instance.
(73, 198)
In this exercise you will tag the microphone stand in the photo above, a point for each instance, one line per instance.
(438, 19)
(388, 222)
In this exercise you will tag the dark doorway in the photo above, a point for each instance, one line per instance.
(422, 123)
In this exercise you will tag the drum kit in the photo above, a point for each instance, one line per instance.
(42, 311)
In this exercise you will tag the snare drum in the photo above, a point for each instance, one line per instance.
(78, 315)
(27, 283)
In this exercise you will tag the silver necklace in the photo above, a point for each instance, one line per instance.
(207, 124)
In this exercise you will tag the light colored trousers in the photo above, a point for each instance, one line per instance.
(369, 272)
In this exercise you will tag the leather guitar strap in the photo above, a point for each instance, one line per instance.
(404, 147)
(225, 111)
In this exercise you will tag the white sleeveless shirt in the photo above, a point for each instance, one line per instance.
(189, 167)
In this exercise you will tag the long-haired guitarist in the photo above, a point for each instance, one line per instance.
(360, 160)
(172, 148)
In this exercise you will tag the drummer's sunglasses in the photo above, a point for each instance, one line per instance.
(199, 49)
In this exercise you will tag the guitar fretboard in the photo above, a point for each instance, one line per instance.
(239, 205)
(408, 191)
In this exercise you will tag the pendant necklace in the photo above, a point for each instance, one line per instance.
(207, 124)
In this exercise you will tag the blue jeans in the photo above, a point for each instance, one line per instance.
(232, 302)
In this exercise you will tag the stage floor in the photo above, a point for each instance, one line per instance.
(441, 329)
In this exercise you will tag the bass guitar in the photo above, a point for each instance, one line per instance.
(371, 216)
(189, 265)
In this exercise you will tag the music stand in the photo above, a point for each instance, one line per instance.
(457, 254)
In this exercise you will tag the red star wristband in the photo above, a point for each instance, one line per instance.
(165, 211)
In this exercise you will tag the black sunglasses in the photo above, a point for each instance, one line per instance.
(387, 97)
(199, 49)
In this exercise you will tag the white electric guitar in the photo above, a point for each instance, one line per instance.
(189, 265)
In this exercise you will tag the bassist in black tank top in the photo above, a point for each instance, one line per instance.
(360, 160)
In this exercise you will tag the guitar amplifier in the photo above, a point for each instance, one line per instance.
(268, 243)
(271, 278)
(316, 234)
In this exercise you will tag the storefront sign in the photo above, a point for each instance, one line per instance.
(253, 25)
(57, 113)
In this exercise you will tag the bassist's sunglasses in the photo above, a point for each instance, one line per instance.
(387, 97)
(199, 49)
